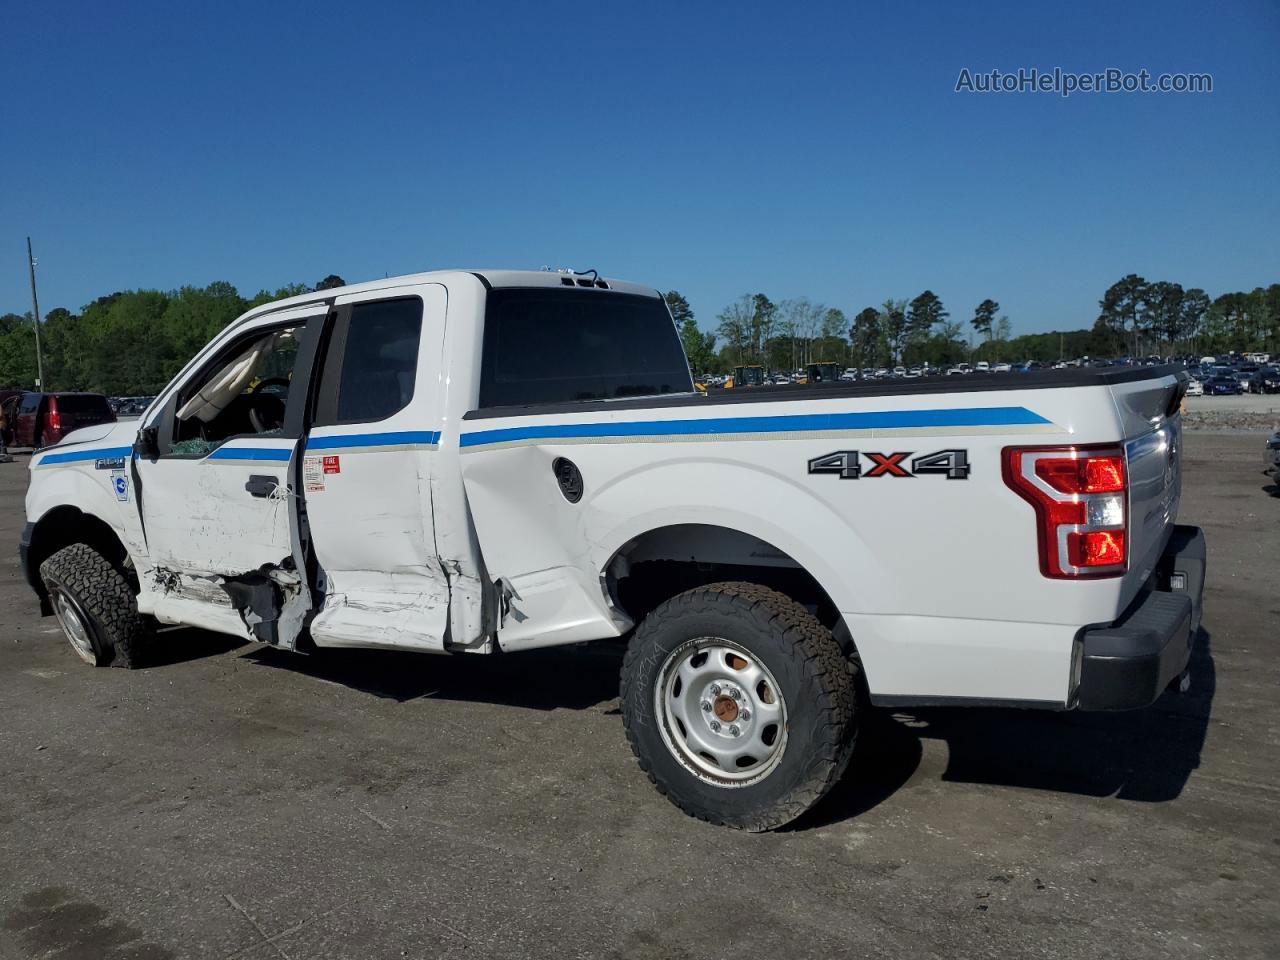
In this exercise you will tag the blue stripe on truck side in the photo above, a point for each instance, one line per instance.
(401, 438)
(75, 456)
(790, 423)
(709, 427)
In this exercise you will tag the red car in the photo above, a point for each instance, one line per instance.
(42, 419)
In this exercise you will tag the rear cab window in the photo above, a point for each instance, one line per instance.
(554, 346)
(371, 365)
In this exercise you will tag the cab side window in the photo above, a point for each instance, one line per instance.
(243, 393)
(371, 364)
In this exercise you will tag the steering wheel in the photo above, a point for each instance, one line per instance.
(258, 417)
(271, 382)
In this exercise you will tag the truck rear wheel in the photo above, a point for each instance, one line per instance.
(739, 705)
(95, 607)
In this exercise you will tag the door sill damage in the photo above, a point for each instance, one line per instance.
(267, 599)
(266, 596)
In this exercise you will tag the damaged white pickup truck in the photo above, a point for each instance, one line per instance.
(477, 462)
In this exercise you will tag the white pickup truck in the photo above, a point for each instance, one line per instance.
(491, 461)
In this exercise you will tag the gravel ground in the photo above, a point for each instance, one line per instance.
(238, 802)
(1249, 411)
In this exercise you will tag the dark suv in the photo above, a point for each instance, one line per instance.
(1222, 386)
(42, 419)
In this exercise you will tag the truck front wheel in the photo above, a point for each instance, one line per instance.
(739, 705)
(95, 607)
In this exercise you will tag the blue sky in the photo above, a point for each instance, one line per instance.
(717, 150)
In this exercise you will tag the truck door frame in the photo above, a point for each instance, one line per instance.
(270, 599)
(367, 492)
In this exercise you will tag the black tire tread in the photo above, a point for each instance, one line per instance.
(106, 596)
(821, 659)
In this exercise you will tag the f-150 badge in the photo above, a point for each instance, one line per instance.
(847, 464)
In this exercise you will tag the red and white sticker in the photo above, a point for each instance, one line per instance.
(332, 464)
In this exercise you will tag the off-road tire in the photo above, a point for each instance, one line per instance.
(121, 636)
(818, 682)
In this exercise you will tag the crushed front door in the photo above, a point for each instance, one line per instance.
(220, 516)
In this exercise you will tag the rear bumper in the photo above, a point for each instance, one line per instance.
(1129, 663)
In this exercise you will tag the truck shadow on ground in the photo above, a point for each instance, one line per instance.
(558, 678)
(177, 645)
(1142, 755)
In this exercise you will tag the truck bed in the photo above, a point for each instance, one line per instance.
(921, 386)
(937, 577)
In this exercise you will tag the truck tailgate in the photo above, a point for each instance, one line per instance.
(1150, 416)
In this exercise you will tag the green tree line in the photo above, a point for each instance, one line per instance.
(133, 342)
(127, 343)
(1136, 317)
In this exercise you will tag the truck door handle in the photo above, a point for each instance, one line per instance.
(260, 486)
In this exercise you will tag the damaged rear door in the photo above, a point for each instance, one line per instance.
(368, 471)
(216, 476)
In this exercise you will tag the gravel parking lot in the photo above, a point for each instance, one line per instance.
(235, 801)
(1248, 411)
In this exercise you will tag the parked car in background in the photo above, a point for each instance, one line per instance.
(1250, 382)
(42, 419)
(1270, 382)
(1001, 368)
(1195, 388)
(132, 406)
(823, 372)
(1222, 386)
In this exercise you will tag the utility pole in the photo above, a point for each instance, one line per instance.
(35, 315)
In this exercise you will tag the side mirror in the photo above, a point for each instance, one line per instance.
(148, 443)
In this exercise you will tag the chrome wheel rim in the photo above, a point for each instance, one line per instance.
(74, 625)
(721, 712)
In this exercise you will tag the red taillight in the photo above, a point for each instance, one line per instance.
(1081, 503)
(1103, 474)
(1099, 548)
(53, 419)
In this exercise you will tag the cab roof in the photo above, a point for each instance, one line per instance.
(490, 278)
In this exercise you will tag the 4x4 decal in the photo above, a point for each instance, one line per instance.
(952, 464)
